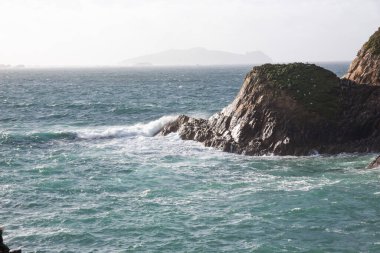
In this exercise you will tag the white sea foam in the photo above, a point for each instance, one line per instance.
(140, 129)
(145, 193)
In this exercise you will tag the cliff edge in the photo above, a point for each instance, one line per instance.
(365, 68)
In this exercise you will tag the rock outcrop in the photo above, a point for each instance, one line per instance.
(291, 109)
(365, 68)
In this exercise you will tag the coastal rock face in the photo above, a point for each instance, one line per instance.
(291, 109)
(365, 69)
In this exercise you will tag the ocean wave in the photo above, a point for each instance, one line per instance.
(148, 130)
(105, 132)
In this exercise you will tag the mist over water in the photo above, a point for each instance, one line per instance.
(80, 171)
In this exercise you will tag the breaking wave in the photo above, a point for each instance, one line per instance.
(148, 129)
(107, 132)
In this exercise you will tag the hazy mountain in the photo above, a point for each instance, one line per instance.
(198, 56)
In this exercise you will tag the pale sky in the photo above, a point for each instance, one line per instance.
(105, 32)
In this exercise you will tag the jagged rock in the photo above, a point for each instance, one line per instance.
(292, 109)
(374, 164)
(365, 68)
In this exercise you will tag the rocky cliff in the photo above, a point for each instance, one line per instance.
(291, 109)
(365, 68)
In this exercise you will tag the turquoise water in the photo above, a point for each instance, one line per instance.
(80, 171)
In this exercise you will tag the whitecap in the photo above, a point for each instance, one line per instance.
(141, 129)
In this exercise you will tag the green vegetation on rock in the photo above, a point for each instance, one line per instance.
(314, 87)
(373, 44)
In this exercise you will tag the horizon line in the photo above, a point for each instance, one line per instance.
(42, 66)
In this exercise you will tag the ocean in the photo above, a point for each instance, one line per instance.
(80, 171)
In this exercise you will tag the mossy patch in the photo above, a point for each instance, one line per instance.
(373, 44)
(314, 87)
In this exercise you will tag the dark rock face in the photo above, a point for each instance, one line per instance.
(359, 124)
(365, 68)
(293, 109)
(374, 164)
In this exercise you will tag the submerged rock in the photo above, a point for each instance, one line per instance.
(291, 109)
(365, 68)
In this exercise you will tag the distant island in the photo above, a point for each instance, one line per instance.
(198, 56)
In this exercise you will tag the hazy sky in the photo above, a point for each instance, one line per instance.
(104, 32)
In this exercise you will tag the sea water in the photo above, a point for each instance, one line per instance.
(81, 171)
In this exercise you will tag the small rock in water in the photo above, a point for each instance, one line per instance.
(375, 163)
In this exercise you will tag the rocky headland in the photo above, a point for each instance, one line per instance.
(297, 109)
